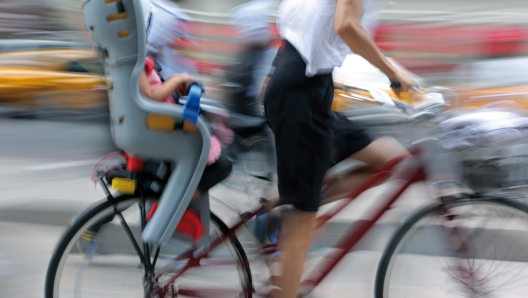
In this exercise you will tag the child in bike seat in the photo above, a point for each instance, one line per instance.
(150, 84)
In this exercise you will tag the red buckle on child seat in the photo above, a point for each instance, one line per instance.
(134, 164)
(190, 224)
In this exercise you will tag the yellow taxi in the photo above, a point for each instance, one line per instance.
(491, 81)
(70, 79)
(469, 86)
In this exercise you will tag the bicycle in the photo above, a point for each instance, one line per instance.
(477, 232)
(446, 216)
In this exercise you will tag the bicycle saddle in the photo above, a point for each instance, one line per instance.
(246, 125)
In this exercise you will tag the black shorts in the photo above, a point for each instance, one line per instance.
(349, 138)
(298, 109)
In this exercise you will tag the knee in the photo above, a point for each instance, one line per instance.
(388, 148)
(215, 173)
(224, 167)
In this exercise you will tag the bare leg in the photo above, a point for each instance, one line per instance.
(339, 188)
(296, 238)
(380, 152)
(375, 155)
(299, 227)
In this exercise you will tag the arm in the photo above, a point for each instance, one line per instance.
(348, 26)
(174, 83)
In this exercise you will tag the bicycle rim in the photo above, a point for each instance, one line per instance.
(475, 249)
(108, 266)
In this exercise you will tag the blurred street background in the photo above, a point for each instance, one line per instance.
(54, 109)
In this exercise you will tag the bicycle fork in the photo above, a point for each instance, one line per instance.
(149, 278)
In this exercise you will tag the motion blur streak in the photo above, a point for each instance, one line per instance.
(54, 108)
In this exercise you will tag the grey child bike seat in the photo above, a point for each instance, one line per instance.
(142, 127)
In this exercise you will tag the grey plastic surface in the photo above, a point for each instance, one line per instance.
(124, 62)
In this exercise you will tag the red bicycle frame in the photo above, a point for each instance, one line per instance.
(354, 235)
(347, 242)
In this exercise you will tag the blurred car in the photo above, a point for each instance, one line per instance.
(17, 45)
(471, 85)
(60, 79)
(362, 93)
(486, 82)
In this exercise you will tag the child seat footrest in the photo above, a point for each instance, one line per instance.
(190, 224)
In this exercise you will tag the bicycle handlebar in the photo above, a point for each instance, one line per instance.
(420, 116)
(413, 114)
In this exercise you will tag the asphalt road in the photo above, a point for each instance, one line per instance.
(45, 169)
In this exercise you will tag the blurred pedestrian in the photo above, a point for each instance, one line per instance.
(168, 36)
(252, 64)
(318, 35)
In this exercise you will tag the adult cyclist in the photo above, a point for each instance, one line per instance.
(318, 35)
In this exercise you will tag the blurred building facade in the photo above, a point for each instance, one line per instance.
(424, 36)
(23, 16)
(428, 37)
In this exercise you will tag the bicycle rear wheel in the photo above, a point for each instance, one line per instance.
(93, 261)
(476, 247)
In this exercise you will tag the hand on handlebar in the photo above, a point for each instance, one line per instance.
(401, 82)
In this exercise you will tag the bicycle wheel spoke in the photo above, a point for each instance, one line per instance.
(208, 293)
(98, 258)
(479, 250)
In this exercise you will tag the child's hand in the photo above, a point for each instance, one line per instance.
(184, 81)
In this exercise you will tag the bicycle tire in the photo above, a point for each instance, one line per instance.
(409, 229)
(71, 235)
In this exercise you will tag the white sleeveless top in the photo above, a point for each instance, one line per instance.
(309, 26)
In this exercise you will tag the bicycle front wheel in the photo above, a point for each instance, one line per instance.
(472, 247)
(96, 258)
